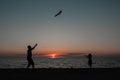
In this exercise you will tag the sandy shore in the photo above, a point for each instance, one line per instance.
(61, 74)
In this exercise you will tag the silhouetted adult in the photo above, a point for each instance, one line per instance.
(89, 60)
(29, 55)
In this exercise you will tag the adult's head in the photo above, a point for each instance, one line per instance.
(29, 47)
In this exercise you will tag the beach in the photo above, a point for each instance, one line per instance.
(60, 74)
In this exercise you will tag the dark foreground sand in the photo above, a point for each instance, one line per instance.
(61, 74)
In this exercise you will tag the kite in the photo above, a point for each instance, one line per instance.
(58, 13)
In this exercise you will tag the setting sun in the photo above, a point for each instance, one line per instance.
(53, 56)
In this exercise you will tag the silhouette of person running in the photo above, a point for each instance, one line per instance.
(29, 55)
(89, 56)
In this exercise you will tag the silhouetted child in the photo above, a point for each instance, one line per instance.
(29, 55)
(89, 56)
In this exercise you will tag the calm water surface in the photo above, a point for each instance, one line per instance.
(98, 62)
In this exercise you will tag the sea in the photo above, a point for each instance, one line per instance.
(81, 62)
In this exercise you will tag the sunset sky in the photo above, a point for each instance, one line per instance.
(84, 26)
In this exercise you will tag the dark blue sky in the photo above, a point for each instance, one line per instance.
(84, 25)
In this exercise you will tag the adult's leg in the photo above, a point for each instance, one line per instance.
(29, 63)
(32, 62)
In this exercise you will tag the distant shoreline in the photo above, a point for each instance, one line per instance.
(60, 74)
